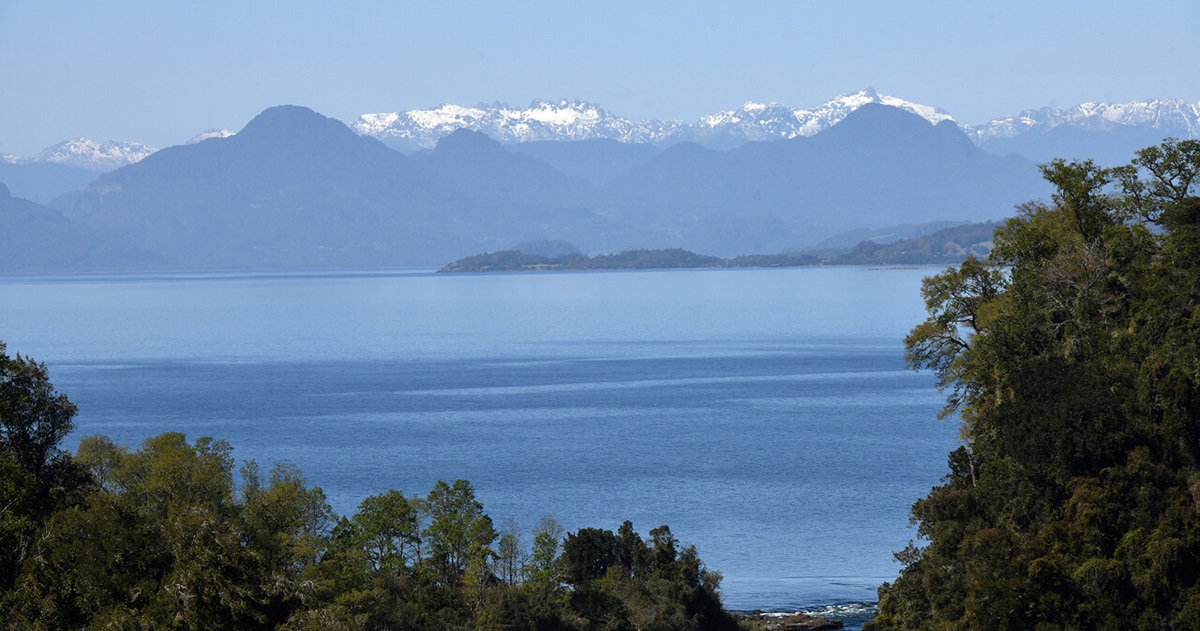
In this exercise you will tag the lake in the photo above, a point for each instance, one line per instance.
(765, 415)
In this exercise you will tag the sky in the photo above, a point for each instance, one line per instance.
(160, 72)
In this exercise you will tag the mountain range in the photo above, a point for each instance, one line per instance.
(87, 154)
(1106, 131)
(295, 189)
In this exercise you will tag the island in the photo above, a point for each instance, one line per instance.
(671, 258)
(948, 246)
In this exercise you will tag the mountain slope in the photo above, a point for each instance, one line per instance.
(1172, 117)
(597, 160)
(1109, 133)
(295, 189)
(1108, 144)
(43, 182)
(880, 166)
(756, 121)
(34, 238)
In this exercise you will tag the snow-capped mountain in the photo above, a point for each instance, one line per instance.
(1174, 117)
(579, 120)
(209, 133)
(89, 154)
(771, 121)
(566, 120)
(542, 120)
(85, 153)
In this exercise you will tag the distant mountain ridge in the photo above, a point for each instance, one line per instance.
(542, 120)
(88, 154)
(1108, 133)
(37, 239)
(771, 121)
(566, 120)
(1173, 116)
(1038, 134)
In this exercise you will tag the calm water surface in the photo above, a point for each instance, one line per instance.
(765, 415)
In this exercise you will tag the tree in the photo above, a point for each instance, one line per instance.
(36, 475)
(387, 528)
(510, 554)
(587, 555)
(458, 530)
(34, 419)
(621, 581)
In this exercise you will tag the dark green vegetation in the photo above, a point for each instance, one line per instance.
(948, 245)
(1073, 358)
(165, 537)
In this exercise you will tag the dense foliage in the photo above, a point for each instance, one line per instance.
(171, 536)
(1073, 358)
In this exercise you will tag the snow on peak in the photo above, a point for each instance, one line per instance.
(579, 120)
(89, 154)
(209, 133)
(445, 116)
(562, 114)
(541, 120)
(1172, 116)
(758, 121)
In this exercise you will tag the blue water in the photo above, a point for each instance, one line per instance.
(765, 415)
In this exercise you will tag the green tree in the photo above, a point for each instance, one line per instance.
(37, 476)
(286, 525)
(458, 530)
(621, 581)
(543, 568)
(388, 529)
(34, 420)
(510, 554)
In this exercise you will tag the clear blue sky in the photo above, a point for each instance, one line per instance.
(159, 71)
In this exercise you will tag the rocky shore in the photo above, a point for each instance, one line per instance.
(793, 622)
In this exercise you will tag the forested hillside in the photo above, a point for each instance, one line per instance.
(1073, 359)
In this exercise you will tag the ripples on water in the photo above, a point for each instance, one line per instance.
(765, 415)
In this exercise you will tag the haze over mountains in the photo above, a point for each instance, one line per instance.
(295, 189)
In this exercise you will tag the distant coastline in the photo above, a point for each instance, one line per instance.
(948, 246)
(672, 258)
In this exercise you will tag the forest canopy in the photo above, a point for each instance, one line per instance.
(1072, 356)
